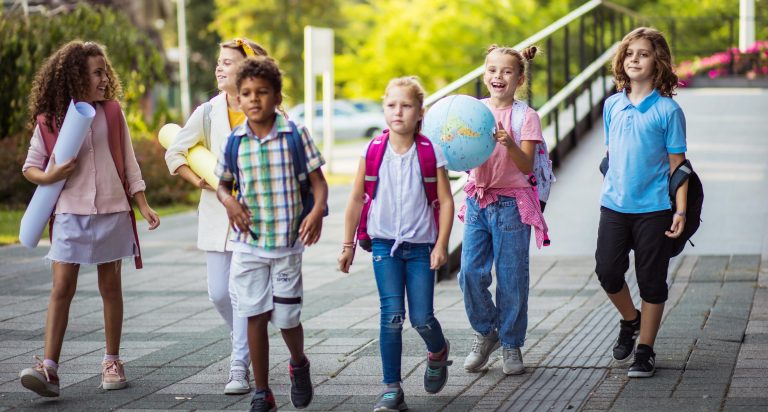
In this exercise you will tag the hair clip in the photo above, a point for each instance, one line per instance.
(246, 47)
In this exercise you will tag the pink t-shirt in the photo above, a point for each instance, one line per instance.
(500, 171)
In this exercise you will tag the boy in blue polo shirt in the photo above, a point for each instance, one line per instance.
(645, 135)
(266, 260)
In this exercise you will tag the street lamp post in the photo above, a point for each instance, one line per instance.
(181, 21)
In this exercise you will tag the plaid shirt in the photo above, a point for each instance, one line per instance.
(268, 185)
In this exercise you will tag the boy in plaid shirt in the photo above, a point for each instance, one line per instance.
(266, 260)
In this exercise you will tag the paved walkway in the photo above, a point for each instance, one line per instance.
(712, 347)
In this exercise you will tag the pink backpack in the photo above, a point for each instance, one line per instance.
(373, 160)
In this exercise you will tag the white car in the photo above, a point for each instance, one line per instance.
(348, 122)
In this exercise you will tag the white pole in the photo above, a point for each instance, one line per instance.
(746, 24)
(181, 18)
(309, 82)
(328, 114)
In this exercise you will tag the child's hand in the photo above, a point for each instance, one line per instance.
(150, 216)
(311, 227)
(205, 186)
(678, 224)
(345, 259)
(56, 172)
(239, 215)
(438, 257)
(502, 137)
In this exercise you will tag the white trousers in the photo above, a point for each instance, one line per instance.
(225, 302)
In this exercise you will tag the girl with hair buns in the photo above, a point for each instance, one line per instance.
(501, 207)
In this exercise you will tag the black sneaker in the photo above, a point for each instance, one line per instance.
(263, 401)
(391, 400)
(301, 385)
(645, 363)
(436, 372)
(625, 344)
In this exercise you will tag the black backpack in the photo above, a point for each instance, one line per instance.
(684, 172)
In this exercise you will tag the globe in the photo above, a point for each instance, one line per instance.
(463, 127)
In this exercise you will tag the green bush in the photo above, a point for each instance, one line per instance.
(135, 58)
(26, 42)
(15, 190)
(162, 188)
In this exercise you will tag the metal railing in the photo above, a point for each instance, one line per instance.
(573, 78)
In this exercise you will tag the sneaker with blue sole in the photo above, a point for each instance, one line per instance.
(390, 400)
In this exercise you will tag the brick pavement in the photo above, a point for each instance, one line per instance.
(712, 345)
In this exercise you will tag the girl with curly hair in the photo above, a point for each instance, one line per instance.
(645, 135)
(93, 222)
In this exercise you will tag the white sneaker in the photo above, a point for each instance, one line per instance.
(513, 361)
(481, 350)
(238, 383)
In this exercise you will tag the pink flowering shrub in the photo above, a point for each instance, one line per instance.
(752, 63)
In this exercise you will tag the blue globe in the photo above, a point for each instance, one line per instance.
(463, 127)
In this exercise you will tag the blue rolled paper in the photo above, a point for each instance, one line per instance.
(71, 136)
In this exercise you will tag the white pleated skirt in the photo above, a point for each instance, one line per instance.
(92, 239)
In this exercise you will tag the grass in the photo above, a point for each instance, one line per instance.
(10, 220)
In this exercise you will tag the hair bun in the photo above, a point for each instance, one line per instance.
(529, 52)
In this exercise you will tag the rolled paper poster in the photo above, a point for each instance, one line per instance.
(71, 136)
(199, 159)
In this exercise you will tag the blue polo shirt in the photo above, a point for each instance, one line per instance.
(640, 139)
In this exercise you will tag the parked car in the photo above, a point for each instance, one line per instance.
(367, 105)
(348, 122)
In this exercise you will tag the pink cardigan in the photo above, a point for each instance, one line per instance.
(94, 187)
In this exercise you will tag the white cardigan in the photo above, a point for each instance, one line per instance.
(213, 224)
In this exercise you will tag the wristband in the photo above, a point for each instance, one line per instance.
(680, 214)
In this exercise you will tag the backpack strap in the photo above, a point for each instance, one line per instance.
(116, 139)
(49, 134)
(428, 164)
(518, 115)
(231, 152)
(373, 159)
(207, 108)
(681, 174)
(299, 159)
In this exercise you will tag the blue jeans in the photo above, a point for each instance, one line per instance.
(406, 272)
(495, 235)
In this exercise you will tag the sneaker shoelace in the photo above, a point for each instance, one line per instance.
(260, 401)
(238, 374)
(302, 379)
(110, 368)
(389, 396)
(41, 366)
(626, 333)
(512, 354)
(477, 343)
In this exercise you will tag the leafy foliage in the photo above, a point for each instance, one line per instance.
(278, 25)
(386, 39)
(23, 49)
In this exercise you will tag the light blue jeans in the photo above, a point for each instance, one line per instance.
(407, 272)
(496, 236)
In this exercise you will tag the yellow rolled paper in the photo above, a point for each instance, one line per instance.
(199, 159)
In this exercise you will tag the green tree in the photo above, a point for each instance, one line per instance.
(388, 38)
(699, 27)
(278, 25)
(23, 49)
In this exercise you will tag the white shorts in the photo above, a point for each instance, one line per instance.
(268, 284)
